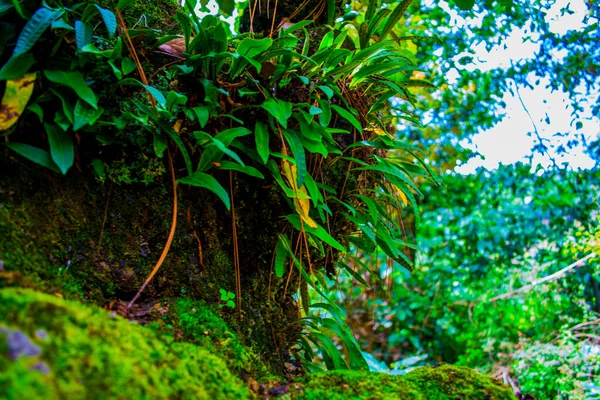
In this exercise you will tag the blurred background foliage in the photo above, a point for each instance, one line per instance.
(487, 234)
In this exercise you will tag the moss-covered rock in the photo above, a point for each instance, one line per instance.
(54, 348)
(440, 383)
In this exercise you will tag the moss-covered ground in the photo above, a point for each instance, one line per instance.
(53, 348)
(445, 382)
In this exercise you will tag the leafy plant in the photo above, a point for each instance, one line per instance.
(226, 299)
(312, 116)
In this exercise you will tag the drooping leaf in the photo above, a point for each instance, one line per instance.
(16, 95)
(246, 169)
(37, 155)
(206, 181)
(316, 230)
(348, 116)
(62, 148)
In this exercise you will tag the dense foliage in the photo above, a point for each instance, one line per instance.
(486, 235)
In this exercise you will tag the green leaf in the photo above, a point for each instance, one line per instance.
(82, 115)
(299, 155)
(99, 169)
(75, 81)
(34, 154)
(33, 29)
(62, 148)
(226, 6)
(325, 117)
(319, 232)
(160, 145)
(281, 254)
(261, 135)
(202, 115)
(17, 66)
(279, 109)
(394, 18)
(83, 34)
(206, 181)
(110, 21)
(348, 116)
(128, 65)
(357, 360)
(327, 90)
(124, 3)
(228, 165)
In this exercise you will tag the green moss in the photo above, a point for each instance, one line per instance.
(355, 385)
(53, 348)
(451, 382)
(201, 325)
(441, 383)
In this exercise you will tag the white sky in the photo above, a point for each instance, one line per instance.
(508, 141)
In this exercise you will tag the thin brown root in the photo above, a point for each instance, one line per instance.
(169, 240)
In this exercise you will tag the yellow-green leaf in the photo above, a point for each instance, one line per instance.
(16, 95)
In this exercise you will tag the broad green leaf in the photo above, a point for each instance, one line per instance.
(206, 181)
(246, 169)
(17, 66)
(33, 29)
(279, 109)
(202, 115)
(325, 117)
(261, 136)
(75, 81)
(226, 6)
(228, 135)
(62, 148)
(327, 90)
(110, 21)
(82, 115)
(128, 65)
(348, 116)
(34, 154)
(16, 96)
(252, 47)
